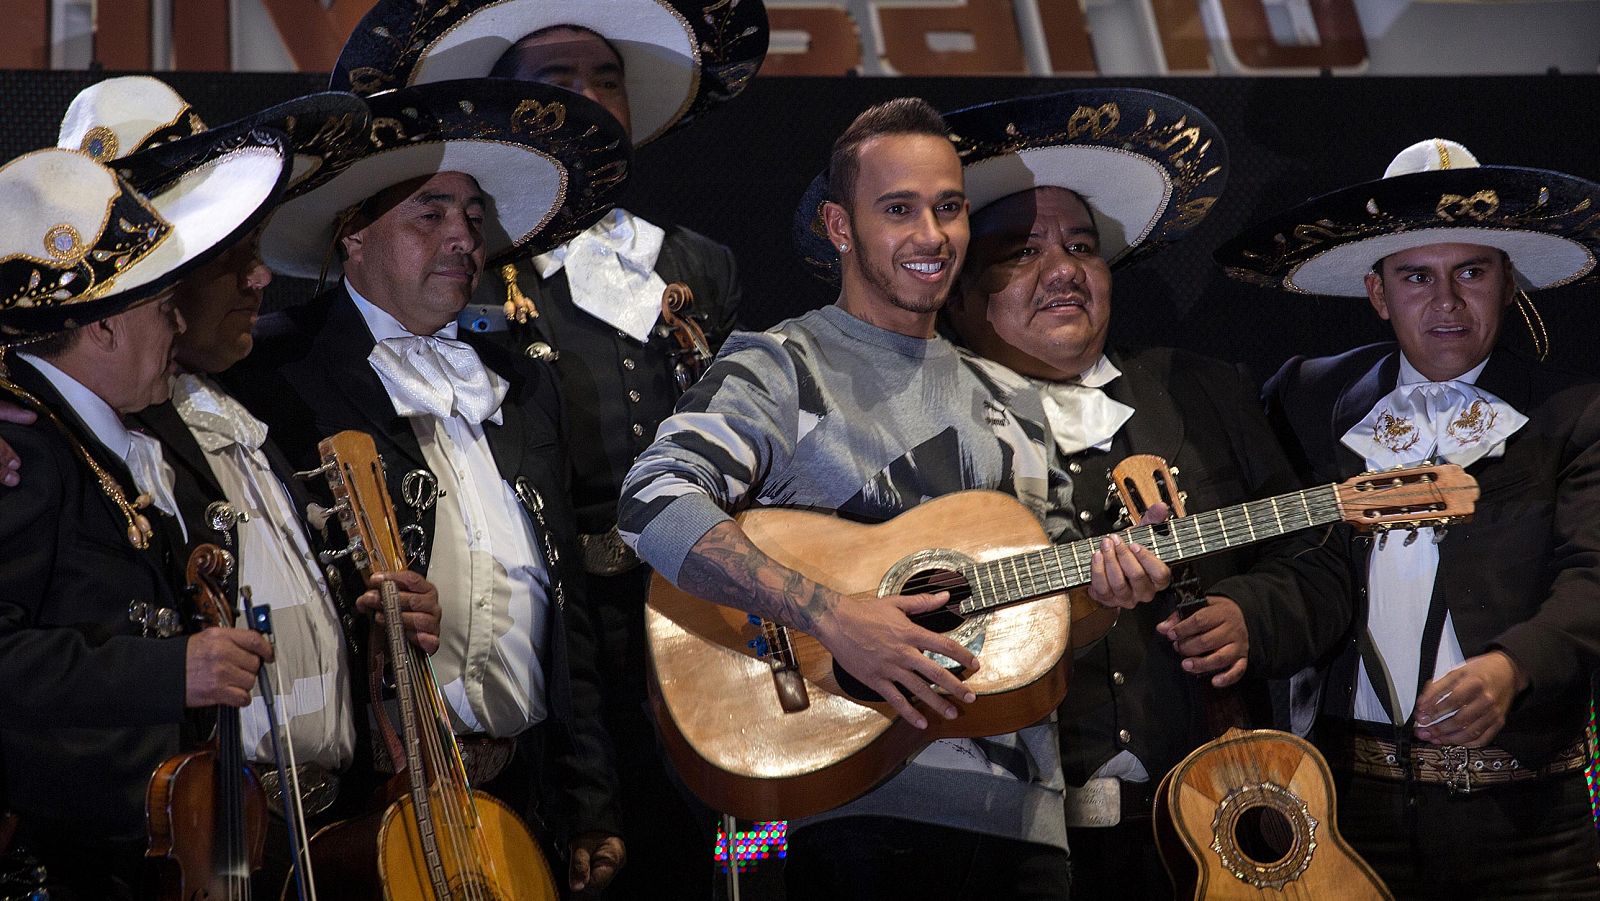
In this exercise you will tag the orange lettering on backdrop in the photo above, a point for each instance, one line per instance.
(312, 34)
(200, 41)
(991, 26)
(1183, 35)
(28, 24)
(833, 43)
(122, 35)
(1066, 36)
(1341, 43)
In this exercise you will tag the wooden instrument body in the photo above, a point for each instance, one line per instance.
(1205, 811)
(714, 697)
(181, 808)
(342, 855)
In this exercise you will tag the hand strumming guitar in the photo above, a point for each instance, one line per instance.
(1469, 704)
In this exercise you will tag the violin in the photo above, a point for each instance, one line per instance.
(206, 811)
(694, 352)
(437, 838)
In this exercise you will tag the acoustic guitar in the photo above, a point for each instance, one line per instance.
(1249, 815)
(761, 723)
(439, 839)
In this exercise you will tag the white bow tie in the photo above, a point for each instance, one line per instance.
(426, 375)
(215, 418)
(1453, 421)
(611, 271)
(1081, 415)
(151, 473)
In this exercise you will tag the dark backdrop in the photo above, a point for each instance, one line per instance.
(738, 174)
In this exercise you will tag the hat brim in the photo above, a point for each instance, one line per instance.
(211, 205)
(1547, 222)
(1149, 166)
(548, 162)
(326, 131)
(677, 62)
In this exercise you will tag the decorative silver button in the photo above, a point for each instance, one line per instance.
(1074, 467)
(1124, 736)
(1085, 515)
(628, 364)
(1118, 678)
(637, 430)
(634, 396)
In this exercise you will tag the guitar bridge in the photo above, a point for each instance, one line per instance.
(774, 647)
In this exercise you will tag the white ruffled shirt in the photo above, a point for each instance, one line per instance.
(1419, 420)
(484, 559)
(611, 271)
(1081, 414)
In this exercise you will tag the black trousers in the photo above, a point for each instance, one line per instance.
(1519, 840)
(882, 858)
(1121, 861)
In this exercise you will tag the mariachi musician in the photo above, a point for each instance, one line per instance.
(99, 680)
(599, 306)
(456, 173)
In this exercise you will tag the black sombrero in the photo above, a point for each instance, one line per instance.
(1149, 166)
(549, 161)
(1434, 192)
(140, 124)
(79, 243)
(681, 57)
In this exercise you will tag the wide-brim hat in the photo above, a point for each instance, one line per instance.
(1149, 166)
(1435, 192)
(679, 57)
(124, 117)
(79, 243)
(549, 162)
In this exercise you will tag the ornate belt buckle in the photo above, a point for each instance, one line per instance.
(1457, 768)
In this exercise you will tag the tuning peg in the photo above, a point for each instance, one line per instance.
(352, 550)
(1411, 538)
(1439, 532)
(1383, 539)
(1172, 469)
(310, 474)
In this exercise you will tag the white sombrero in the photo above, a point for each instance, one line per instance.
(679, 58)
(1434, 192)
(78, 242)
(549, 162)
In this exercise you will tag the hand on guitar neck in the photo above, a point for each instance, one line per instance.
(419, 601)
(877, 643)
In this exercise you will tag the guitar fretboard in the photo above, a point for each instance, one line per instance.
(1055, 569)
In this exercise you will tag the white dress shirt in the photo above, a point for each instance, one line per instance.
(484, 559)
(310, 674)
(1400, 576)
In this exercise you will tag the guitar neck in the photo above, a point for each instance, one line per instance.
(1008, 580)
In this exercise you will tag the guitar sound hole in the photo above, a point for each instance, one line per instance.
(945, 619)
(1264, 834)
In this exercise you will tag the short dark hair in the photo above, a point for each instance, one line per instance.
(54, 345)
(506, 65)
(900, 116)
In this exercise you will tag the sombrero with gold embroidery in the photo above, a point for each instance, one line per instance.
(121, 119)
(79, 243)
(1148, 165)
(679, 57)
(549, 162)
(1434, 192)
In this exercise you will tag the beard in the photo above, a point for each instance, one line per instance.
(880, 274)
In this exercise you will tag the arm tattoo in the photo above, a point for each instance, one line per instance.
(727, 568)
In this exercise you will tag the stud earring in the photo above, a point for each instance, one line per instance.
(844, 247)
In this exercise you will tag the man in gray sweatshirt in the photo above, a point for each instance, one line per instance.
(860, 408)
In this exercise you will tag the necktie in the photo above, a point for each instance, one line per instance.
(440, 377)
(1453, 421)
(611, 272)
(151, 474)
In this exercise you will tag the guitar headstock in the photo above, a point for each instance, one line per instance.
(355, 475)
(1409, 497)
(1143, 479)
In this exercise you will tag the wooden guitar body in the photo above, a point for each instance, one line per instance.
(520, 865)
(1250, 815)
(710, 685)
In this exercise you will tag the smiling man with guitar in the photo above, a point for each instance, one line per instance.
(1454, 711)
(861, 409)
